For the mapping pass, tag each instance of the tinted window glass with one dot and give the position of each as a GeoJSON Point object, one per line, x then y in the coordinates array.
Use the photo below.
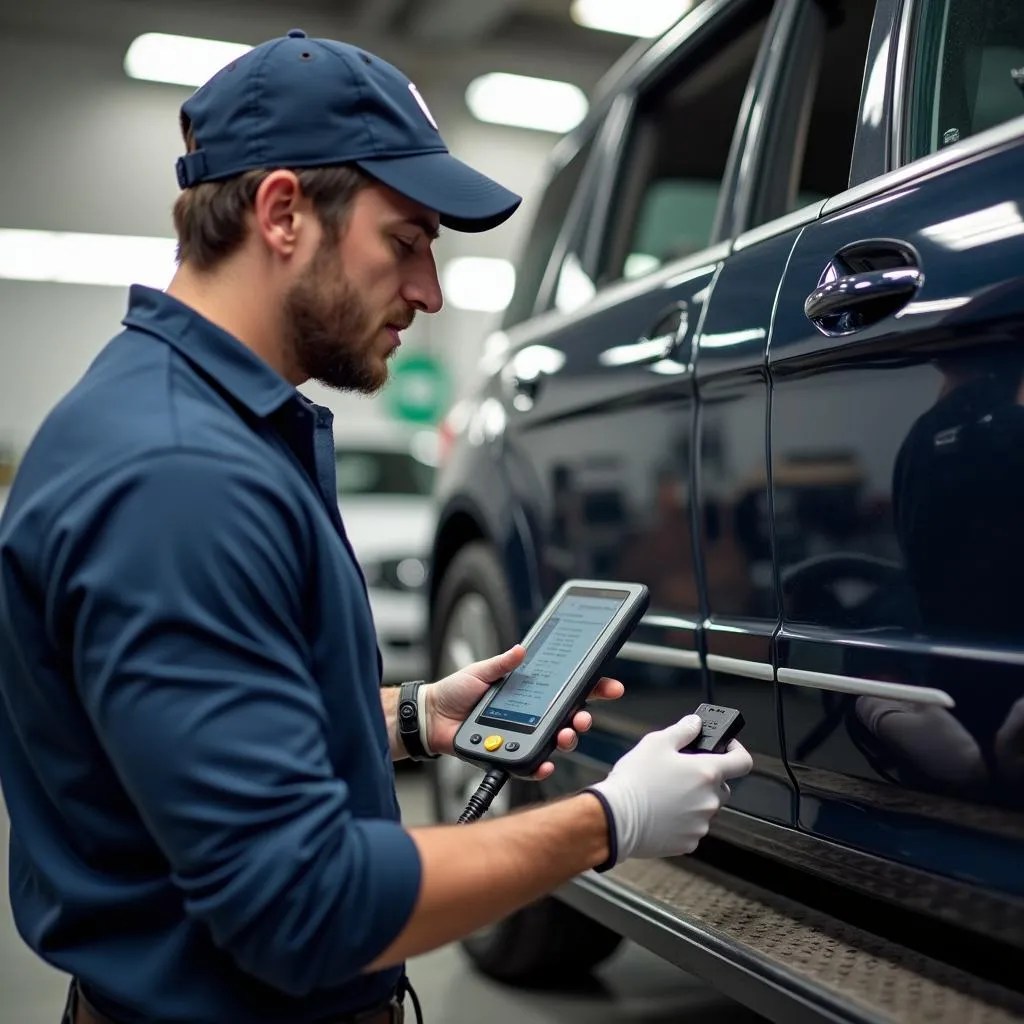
{"type": "Point", "coordinates": [968, 71]}
{"type": "Point", "coordinates": [382, 472]}
{"type": "Point", "coordinates": [543, 234]}
{"type": "Point", "coordinates": [836, 92]}
{"type": "Point", "coordinates": [812, 122]}
{"type": "Point", "coordinates": [668, 194]}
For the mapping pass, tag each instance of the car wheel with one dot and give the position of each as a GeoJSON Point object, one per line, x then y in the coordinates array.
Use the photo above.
{"type": "Point", "coordinates": [547, 943]}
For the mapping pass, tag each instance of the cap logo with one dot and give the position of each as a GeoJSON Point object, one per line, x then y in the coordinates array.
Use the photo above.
{"type": "Point", "coordinates": [423, 105]}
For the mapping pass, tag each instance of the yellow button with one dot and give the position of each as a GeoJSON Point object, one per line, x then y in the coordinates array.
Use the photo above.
{"type": "Point", "coordinates": [492, 743]}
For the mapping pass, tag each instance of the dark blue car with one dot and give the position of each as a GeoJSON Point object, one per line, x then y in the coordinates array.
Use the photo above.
{"type": "Point", "coordinates": [766, 355]}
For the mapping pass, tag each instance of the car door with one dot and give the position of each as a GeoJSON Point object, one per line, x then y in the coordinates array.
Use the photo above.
{"type": "Point", "coordinates": [734, 505]}
{"type": "Point", "coordinates": [896, 363]}
{"type": "Point", "coordinates": [600, 435]}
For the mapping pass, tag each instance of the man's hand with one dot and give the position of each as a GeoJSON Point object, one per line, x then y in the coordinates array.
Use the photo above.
{"type": "Point", "coordinates": [451, 699]}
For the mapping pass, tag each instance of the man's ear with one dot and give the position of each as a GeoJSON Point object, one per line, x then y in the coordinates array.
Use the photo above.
{"type": "Point", "coordinates": [280, 210]}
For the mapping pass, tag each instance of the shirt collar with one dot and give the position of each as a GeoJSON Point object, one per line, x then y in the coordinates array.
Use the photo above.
{"type": "Point", "coordinates": [222, 356]}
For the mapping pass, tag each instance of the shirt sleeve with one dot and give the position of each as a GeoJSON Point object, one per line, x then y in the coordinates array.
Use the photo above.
{"type": "Point", "coordinates": [185, 592]}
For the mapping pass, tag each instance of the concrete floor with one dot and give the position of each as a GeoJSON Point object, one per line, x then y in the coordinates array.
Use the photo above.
{"type": "Point", "coordinates": [634, 987]}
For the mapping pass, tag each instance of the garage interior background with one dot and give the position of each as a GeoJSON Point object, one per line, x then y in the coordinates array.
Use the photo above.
{"type": "Point", "coordinates": [88, 149]}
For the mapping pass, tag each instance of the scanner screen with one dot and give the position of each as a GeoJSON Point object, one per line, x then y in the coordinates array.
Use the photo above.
{"type": "Point", "coordinates": [554, 654]}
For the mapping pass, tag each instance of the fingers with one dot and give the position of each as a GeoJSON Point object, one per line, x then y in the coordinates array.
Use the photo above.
{"type": "Point", "coordinates": [685, 731]}
{"type": "Point", "coordinates": [607, 689]}
{"type": "Point", "coordinates": [735, 762]}
{"type": "Point", "coordinates": [490, 670]}
{"type": "Point", "coordinates": [583, 721]}
{"type": "Point", "coordinates": [568, 739]}
{"type": "Point", "coordinates": [543, 771]}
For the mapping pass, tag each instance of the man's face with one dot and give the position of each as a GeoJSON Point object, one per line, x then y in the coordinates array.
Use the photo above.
{"type": "Point", "coordinates": [344, 312]}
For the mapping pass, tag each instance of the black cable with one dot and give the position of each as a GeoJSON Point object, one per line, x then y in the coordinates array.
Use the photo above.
{"type": "Point", "coordinates": [416, 1004]}
{"type": "Point", "coordinates": [488, 789]}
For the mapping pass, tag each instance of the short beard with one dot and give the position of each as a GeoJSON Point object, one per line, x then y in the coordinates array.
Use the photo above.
{"type": "Point", "coordinates": [328, 329]}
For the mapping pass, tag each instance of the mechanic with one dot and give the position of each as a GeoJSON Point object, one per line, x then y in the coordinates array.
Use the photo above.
{"type": "Point", "coordinates": [195, 749]}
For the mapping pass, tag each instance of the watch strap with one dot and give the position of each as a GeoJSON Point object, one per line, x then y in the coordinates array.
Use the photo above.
{"type": "Point", "coordinates": [412, 721]}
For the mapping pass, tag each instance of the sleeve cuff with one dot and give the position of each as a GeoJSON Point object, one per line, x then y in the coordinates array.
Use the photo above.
{"type": "Point", "coordinates": [394, 881]}
{"type": "Point", "coordinates": [613, 844]}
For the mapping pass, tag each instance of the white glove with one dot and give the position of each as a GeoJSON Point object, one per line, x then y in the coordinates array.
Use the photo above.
{"type": "Point", "coordinates": [662, 800]}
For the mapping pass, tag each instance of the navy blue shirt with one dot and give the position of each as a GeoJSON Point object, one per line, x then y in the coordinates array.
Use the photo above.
{"type": "Point", "coordinates": [204, 825]}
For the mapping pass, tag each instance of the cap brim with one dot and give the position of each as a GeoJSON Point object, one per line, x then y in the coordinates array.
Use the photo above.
{"type": "Point", "coordinates": [465, 199]}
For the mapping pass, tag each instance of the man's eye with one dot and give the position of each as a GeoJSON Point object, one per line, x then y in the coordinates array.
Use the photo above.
{"type": "Point", "coordinates": [406, 245]}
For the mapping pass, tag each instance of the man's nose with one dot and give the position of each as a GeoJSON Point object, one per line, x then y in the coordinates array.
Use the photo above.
{"type": "Point", "coordinates": [422, 289]}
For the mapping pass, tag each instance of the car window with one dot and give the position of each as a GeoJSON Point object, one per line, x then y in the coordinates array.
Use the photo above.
{"type": "Point", "coordinates": [827, 146]}
{"type": "Point", "coordinates": [812, 122]}
{"type": "Point", "coordinates": [667, 196]}
{"type": "Point", "coordinates": [543, 234]}
{"type": "Point", "coordinates": [968, 71]}
{"type": "Point", "coordinates": [367, 471]}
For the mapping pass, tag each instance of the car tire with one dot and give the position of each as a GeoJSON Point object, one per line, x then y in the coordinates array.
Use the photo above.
{"type": "Point", "coordinates": [546, 944]}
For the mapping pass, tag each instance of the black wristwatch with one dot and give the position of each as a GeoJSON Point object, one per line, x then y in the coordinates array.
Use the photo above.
{"type": "Point", "coordinates": [412, 721]}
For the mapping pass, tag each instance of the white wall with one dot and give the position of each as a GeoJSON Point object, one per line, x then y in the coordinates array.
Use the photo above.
{"type": "Point", "coordinates": [87, 149]}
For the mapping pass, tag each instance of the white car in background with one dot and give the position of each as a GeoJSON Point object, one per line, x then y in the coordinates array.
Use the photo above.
{"type": "Point", "coordinates": [385, 475]}
{"type": "Point", "coordinates": [385, 478]}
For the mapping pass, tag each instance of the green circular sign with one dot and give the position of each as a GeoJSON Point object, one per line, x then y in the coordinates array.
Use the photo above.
{"type": "Point", "coordinates": [418, 389]}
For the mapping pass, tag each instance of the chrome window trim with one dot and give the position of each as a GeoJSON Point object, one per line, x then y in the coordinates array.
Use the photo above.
{"type": "Point", "coordinates": [780, 225]}
{"type": "Point", "coordinates": [900, 85]}
{"type": "Point", "coordinates": [960, 152]}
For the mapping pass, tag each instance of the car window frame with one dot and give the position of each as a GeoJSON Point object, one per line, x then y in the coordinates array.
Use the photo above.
{"type": "Point", "coordinates": [904, 71]}
{"type": "Point", "coordinates": [662, 64]}
{"type": "Point", "coordinates": [871, 148]}
{"type": "Point", "coordinates": [567, 149]}
{"type": "Point", "coordinates": [878, 161]}
{"type": "Point", "coordinates": [902, 171]}
{"type": "Point", "coordinates": [592, 194]}
{"type": "Point", "coordinates": [585, 237]}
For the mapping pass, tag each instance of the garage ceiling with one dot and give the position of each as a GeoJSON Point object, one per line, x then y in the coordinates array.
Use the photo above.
{"type": "Point", "coordinates": [428, 38]}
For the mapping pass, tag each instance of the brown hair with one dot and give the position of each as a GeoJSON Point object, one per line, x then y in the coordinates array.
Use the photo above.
{"type": "Point", "coordinates": [210, 218]}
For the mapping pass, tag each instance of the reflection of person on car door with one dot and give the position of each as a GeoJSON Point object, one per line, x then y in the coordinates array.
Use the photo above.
{"type": "Point", "coordinates": [958, 507]}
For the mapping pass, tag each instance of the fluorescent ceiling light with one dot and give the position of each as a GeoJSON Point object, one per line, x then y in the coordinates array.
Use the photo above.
{"type": "Point", "coordinates": [67, 258]}
{"type": "Point", "coordinates": [179, 60]}
{"type": "Point", "coordinates": [642, 18]}
{"type": "Point", "coordinates": [478, 283]}
{"type": "Point", "coordinates": [524, 102]}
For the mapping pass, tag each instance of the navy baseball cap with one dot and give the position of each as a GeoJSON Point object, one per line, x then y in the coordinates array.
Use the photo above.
{"type": "Point", "coordinates": [298, 102]}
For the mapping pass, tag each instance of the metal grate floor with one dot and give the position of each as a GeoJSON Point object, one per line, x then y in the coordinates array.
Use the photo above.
{"type": "Point", "coordinates": [887, 981]}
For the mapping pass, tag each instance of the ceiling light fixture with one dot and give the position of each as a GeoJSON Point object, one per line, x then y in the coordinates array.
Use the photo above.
{"type": "Point", "coordinates": [179, 60]}
{"type": "Point", "coordinates": [641, 18]}
{"type": "Point", "coordinates": [540, 104]}
{"type": "Point", "coordinates": [71, 258]}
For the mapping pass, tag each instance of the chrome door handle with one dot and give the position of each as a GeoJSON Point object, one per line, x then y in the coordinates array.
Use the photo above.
{"type": "Point", "coordinates": [670, 337]}
{"type": "Point", "coordinates": [858, 300]}
{"type": "Point", "coordinates": [863, 283]}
